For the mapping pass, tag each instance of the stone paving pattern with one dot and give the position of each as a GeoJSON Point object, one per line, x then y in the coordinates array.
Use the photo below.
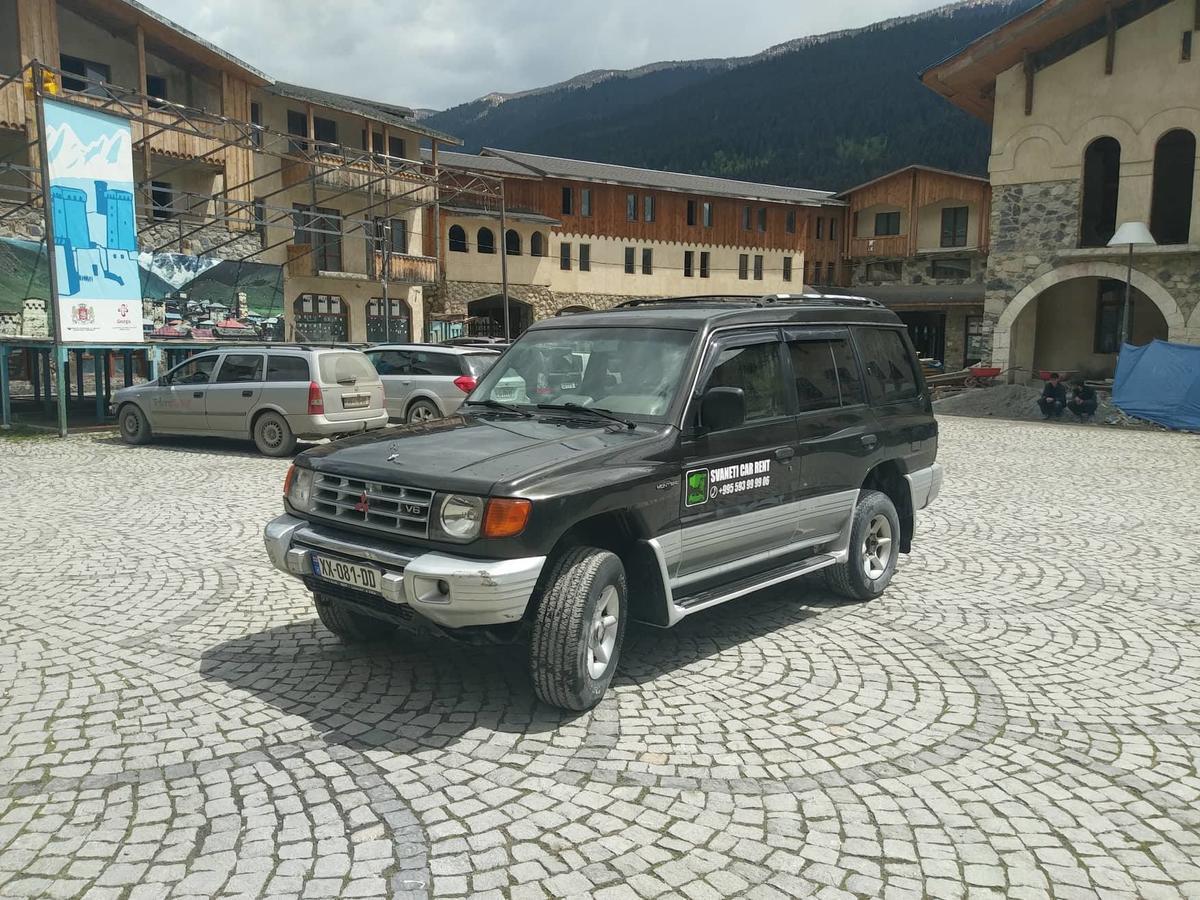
{"type": "Point", "coordinates": [1019, 716]}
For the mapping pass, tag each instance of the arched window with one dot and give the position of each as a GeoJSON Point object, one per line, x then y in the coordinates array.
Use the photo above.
{"type": "Point", "coordinates": [485, 241]}
{"type": "Point", "coordinates": [1174, 174]}
{"type": "Point", "coordinates": [512, 243]}
{"type": "Point", "coordinates": [537, 244]}
{"type": "Point", "coordinates": [1101, 186]}
{"type": "Point", "coordinates": [458, 239]}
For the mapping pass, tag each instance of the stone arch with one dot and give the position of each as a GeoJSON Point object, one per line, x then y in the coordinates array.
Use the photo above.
{"type": "Point", "coordinates": [1002, 349]}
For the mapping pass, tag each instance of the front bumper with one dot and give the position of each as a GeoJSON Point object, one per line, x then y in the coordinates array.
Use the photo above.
{"type": "Point", "coordinates": [479, 591]}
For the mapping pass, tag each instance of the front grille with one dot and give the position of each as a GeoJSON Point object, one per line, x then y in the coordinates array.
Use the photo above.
{"type": "Point", "coordinates": [387, 507]}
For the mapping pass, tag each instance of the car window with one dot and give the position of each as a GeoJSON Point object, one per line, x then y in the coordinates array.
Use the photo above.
{"type": "Point", "coordinates": [477, 363]}
{"type": "Point", "coordinates": [849, 380]}
{"type": "Point", "coordinates": [890, 373]}
{"type": "Point", "coordinates": [194, 371]}
{"type": "Point", "coordinates": [346, 367]}
{"type": "Point", "coordinates": [815, 372]}
{"type": "Point", "coordinates": [240, 368]}
{"type": "Point", "coordinates": [287, 368]}
{"type": "Point", "coordinates": [428, 363]}
{"type": "Point", "coordinates": [756, 370]}
{"type": "Point", "coordinates": [390, 362]}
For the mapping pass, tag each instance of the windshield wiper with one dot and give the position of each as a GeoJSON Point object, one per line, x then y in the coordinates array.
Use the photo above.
{"type": "Point", "coordinates": [601, 413]}
{"type": "Point", "coordinates": [504, 407]}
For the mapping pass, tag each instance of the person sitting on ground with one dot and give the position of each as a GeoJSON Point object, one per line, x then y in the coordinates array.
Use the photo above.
{"type": "Point", "coordinates": [1054, 398]}
{"type": "Point", "coordinates": [1083, 401]}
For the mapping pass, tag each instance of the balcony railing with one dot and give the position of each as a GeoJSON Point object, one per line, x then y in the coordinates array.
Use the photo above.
{"type": "Point", "coordinates": [408, 269]}
{"type": "Point", "coordinates": [892, 245]}
{"type": "Point", "coordinates": [344, 169]}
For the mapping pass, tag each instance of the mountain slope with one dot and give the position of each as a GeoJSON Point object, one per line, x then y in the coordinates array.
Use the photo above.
{"type": "Point", "coordinates": [828, 112]}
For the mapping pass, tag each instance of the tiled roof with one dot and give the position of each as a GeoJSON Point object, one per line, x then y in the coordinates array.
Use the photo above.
{"type": "Point", "coordinates": [388, 113]}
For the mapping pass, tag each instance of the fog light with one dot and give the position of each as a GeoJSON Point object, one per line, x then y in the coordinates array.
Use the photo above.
{"type": "Point", "coordinates": [443, 588]}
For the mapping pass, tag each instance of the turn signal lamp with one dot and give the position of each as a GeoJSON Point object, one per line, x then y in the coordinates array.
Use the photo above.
{"type": "Point", "coordinates": [505, 518]}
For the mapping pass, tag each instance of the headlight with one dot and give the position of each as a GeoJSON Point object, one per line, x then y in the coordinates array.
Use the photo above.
{"type": "Point", "coordinates": [461, 516]}
{"type": "Point", "coordinates": [300, 488]}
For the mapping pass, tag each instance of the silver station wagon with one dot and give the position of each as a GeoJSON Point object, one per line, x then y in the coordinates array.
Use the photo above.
{"type": "Point", "coordinates": [422, 382]}
{"type": "Point", "coordinates": [271, 395]}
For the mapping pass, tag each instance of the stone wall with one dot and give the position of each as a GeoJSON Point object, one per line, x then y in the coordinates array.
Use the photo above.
{"type": "Point", "coordinates": [214, 241]}
{"type": "Point", "coordinates": [27, 225]}
{"type": "Point", "coordinates": [452, 298]}
{"type": "Point", "coordinates": [918, 269]}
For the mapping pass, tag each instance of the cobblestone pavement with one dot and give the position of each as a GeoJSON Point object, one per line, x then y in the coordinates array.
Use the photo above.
{"type": "Point", "coordinates": [1018, 717]}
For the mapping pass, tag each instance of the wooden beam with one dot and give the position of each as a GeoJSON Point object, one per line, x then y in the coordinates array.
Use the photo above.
{"type": "Point", "coordinates": [912, 214]}
{"type": "Point", "coordinates": [1029, 72]}
{"type": "Point", "coordinates": [1110, 50]}
{"type": "Point", "coordinates": [148, 194]}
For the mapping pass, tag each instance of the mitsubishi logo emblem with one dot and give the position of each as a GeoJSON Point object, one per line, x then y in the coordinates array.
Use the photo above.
{"type": "Point", "coordinates": [363, 505]}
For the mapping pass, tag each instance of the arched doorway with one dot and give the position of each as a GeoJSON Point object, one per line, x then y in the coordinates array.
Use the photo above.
{"type": "Point", "coordinates": [395, 329]}
{"type": "Point", "coordinates": [320, 317]}
{"type": "Point", "coordinates": [1070, 320]}
{"type": "Point", "coordinates": [485, 316]}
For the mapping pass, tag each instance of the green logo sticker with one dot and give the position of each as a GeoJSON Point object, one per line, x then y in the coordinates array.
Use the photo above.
{"type": "Point", "coordinates": [697, 487]}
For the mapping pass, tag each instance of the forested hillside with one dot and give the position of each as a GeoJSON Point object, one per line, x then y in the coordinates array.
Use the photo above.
{"type": "Point", "coordinates": [827, 112]}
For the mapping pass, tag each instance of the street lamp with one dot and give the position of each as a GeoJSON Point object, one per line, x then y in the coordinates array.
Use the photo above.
{"type": "Point", "coordinates": [1133, 234]}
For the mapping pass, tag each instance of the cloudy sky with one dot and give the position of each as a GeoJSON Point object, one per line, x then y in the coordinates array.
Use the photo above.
{"type": "Point", "coordinates": [437, 53]}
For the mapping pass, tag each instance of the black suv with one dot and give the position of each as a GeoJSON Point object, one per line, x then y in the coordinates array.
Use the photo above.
{"type": "Point", "coordinates": [708, 448]}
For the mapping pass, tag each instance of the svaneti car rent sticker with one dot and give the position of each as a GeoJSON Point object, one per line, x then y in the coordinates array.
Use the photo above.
{"type": "Point", "coordinates": [726, 481]}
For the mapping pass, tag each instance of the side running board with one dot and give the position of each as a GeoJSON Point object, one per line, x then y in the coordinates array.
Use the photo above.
{"type": "Point", "coordinates": [691, 603]}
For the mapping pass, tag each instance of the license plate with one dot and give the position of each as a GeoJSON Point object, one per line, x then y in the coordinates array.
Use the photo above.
{"type": "Point", "coordinates": [356, 401]}
{"type": "Point", "coordinates": [358, 577]}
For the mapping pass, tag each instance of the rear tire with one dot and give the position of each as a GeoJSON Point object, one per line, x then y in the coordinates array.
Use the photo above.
{"type": "Point", "coordinates": [874, 549]}
{"type": "Point", "coordinates": [135, 427]}
{"type": "Point", "coordinates": [578, 628]}
{"type": "Point", "coordinates": [352, 627]}
{"type": "Point", "coordinates": [273, 436]}
{"type": "Point", "coordinates": [422, 411]}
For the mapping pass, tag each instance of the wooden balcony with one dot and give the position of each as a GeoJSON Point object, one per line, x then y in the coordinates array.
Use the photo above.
{"type": "Point", "coordinates": [165, 140]}
{"type": "Point", "coordinates": [361, 173]}
{"type": "Point", "coordinates": [408, 269]}
{"type": "Point", "coordinates": [893, 245]}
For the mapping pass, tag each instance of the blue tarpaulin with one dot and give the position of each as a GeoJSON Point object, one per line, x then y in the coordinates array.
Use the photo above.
{"type": "Point", "coordinates": [1160, 382]}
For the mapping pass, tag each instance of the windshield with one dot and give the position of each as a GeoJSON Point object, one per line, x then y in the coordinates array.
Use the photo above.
{"type": "Point", "coordinates": [346, 367]}
{"type": "Point", "coordinates": [632, 371]}
{"type": "Point", "coordinates": [478, 363]}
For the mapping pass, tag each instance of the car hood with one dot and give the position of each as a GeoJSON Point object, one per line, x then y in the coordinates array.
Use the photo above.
{"type": "Point", "coordinates": [480, 452]}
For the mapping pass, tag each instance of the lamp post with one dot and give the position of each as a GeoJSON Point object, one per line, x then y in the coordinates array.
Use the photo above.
{"type": "Point", "coordinates": [1131, 234]}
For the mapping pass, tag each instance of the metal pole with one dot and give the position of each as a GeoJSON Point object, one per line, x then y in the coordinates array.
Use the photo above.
{"type": "Point", "coordinates": [504, 265]}
{"type": "Point", "coordinates": [1128, 298]}
{"type": "Point", "coordinates": [387, 265]}
{"type": "Point", "coordinates": [48, 211]}
{"type": "Point", "coordinates": [5, 388]}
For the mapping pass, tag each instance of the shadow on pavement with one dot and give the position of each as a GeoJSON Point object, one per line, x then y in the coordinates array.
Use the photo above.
{"type": "Point", "coordinates": [413, 691]}
{"type": "Point", "coordinates": [198, 444]}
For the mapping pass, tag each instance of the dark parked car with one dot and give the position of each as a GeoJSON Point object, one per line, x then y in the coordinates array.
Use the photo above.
{"type": "Point", "coordinates": [709, 447]}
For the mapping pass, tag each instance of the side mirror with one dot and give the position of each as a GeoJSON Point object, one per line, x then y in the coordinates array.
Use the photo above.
{"type": "Point", "coordinates": [722, 408]}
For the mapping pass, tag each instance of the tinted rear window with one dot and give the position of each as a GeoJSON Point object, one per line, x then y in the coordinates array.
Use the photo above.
{"type": "Point", "coordinates": [346, 367]}
{"type": "Point", "coordinates": [478, 363]}
{"type": "Point", "coordinates": [287, 368]}
{"type": "Point", "coordinates": [889, 367]}
{"type": "Point", "coordinates": [431, 363]}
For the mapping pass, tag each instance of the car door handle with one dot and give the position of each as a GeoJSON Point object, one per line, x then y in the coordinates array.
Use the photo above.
{"type": "Point", "coordinates": [247, 393]}
{"type": "Point", "coordinates": [784, 454]}
{"type": "Point", "coordinates": [197, 393]}
{"type": "Point", "coordinates": [870, 441]}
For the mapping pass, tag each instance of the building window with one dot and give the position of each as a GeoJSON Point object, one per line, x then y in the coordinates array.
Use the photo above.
{"type": "Point", "coordinates": [954, 226]}
{"type": "Point", "coordinates": [648, 207]}
{"type": "Point", "coordinates": [156, 89]}
{"type": "Point", "coordinates": [631, 207]}
{"type": "Point", "coordinates": [585, 257]}
{"type": "Point", "coordinates": [92, 75]}
{"type": "Point", "coordinates": [260, 221]}
{"type": "Point", "coordinates": [975, 342]}
{"type": "Point", "coordinates": [789, 222]}
{"type": "Point", "coordinates": [787, 268]}
{"type": "Point", "coordinates": [1174, 174]}
{"type": "Point", "coordinates": [257, 122]}
{"type": "Point", "coordinates": [647, 261]}
{"type": "Point", "coordinates": [743, 266]}
{"type": "Point", "coordinates": [630, 260]}
{"type": "Point", "coordinates": [704, 267]}
{"type": "Point", "coordinates": [762, 218]}
{"type": "Point", "coordinates": [568, 201]}
{"type": "Point", "coordinates": [1185, 54]}
{"type": "Point", "coordinates": [372, 141]}
{"type": "Point", "coordinates": [585, 201]}
{"type": "Point", "coordinates": [1101, 187]}
{"type": "Point", "coordinates": [708, 215]}
{"type": "Point", "coordinates": [391, 234]}
{"type": "Point", "coordinates": [485, 241]}
{"type": "Point", "coordinates": [950, 268]}
{"type": "Point", "coordinates": [326, 133]}
{"type": "Point", "coordinates": [887, 224]}
{"type": "Point", "coordinates": [537, 244]}
{"type": "Point", "coordinates": [884, 271]}
{"type": "Point", "coordinates": [820, 228]}
{"type": "Point", "coordinates": [564, 257]}
{"type": "Point", "coordinates": [833, 229]}
{"type": "Point", "coordinates": [396, 147]}
{"type": "Point", "coordinates": [746, 218]}
{"type": "Point", "coordinates": [297, 125]}
{"type": "Point", "coordinates": [758, 267]}
{"type": "Point", "coordinates": [1110, 304]}
{"type": "Point", "coordinates": [458, 239]}
{"type": "Point", "coordinates": [691, 212]}
{"type": "Point", "coordinates": [512, 242]}
{"type": "Point", "coordinates": [321, 229]}
{"type": "Point", "coordinates": [689, 263]}
{"type": "Point", "coordinates": [161, 200]}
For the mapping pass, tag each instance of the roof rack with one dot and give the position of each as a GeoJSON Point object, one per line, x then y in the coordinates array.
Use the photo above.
{"type": "Point", "coordinates": [756, 300]}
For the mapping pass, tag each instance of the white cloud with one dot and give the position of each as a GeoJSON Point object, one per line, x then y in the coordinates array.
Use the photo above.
{"type": "Point", "coordinates": [439, 53]}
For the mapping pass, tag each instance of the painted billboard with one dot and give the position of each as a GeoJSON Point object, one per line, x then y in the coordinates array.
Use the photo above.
{"type": "Point", "coordinates": [90, 156]}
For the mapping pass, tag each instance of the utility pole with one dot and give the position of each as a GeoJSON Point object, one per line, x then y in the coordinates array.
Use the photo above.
{"type": "Point", "coordinates": [504, 265]}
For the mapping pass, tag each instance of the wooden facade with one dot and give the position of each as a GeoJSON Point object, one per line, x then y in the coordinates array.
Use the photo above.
{"type": "Point", "coordinates": [407, 269]}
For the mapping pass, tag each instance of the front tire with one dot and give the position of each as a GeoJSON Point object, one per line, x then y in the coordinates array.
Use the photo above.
{"type": "Point", "coordinates": [352, 627]}
{"type": "Point", "coordinates": [423, 411]}
{"type": "Point", "coordinates": [874, 549]}
{"type": "Point", "coordinates": [273, 436]}
{"type": "Point", "coordinates": [135, 427]}
{"type": "Point", "coordinates": [578, 628]}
